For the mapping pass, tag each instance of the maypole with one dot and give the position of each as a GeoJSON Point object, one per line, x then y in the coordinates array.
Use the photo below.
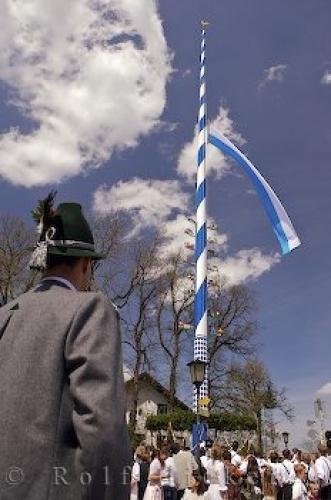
{"type": "Point", "coordinates": [275, 211]}
{"type": "Point", "coordinates": [201, 323]}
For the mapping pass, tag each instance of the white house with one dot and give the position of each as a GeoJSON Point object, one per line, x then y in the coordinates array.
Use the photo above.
{"type": "Point", "coordinates": [153, 399]}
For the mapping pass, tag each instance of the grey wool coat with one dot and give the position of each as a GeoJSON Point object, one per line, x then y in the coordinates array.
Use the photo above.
{"type": "Point", "coordinates": [62, 401]}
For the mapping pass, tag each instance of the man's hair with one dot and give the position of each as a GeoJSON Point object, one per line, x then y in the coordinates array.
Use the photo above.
{"type": "Point", "coordinates": [165, 450]}
{"type": "Point", "coordinates": [59, 260]}
{"type": "Point", "coordinates": [287, 454]}
{"type": "Point", "coordinates": [322, 449]}
{"type": "Point", "coordinates": [273, 457]}
{"type": "Point", "coordinates": [209, 443]}
{"type": "Point", "coordinates": [227, 455]}
{"type": "Point", "coordinates": [142, 453]}
{"type": "Point", "coordinates": [235, 445]}
{"type": "Point", "coordinates": [306, 457]}
{"type": "Point", "coordinates": [175, 448]}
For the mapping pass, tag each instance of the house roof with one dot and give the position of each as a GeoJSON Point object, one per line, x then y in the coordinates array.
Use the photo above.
{"type": "Point", "coordinates": [147, 378]}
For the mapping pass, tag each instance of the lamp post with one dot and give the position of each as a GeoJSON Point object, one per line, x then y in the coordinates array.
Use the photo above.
{"type": "Point", "coordinates": [197, 371]}
{"type": "Point", "coordinates": [285, 438]}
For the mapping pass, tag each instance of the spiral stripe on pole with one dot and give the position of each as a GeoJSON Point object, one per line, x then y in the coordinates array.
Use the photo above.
{"type": "Point", "coordinates": [200, 342]}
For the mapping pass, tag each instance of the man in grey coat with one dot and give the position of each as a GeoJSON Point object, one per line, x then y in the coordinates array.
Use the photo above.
{"type": "Point", "coordinates": [62, 411]}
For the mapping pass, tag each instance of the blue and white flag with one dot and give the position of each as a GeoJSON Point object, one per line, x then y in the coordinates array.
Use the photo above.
{"type": "Point", "coordinates": [279, 219]}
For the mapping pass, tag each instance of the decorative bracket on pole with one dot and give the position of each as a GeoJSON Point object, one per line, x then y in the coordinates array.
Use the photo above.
{"type": "Point", "coordinates": [204, 24]}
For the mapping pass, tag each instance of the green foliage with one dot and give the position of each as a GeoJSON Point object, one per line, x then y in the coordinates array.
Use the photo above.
{"type": "Point", "coordinates": [183, 421]}
{"type": "Point", "coordinates": [232, 422]}
{"type": "Point", "coordinates": [180, 420]}
{"type": "Point", "coordinates": [135, 438]}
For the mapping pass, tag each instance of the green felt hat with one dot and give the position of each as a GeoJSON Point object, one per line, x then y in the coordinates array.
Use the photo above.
{"type": "Point", "coordinates": [63, 231]}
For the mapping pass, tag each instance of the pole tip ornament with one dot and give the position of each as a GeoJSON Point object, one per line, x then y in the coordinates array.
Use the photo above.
{"type": "Point", "coordinates": [204, 24]}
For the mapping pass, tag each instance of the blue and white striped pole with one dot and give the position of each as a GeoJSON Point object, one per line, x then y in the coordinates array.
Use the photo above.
{"type": "Point", "coordinates": [201, 330]}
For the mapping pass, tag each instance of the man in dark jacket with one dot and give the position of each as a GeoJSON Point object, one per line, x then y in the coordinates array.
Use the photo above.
{"type": "Point", "coordinates": [62, 414]}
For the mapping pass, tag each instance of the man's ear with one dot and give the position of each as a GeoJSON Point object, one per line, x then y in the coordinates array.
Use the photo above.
{"type": "Point", "coordinates": [85, 264]}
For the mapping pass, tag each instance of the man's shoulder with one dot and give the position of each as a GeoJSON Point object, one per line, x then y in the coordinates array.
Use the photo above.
{"type": "Point", "coordinates": [59, 298]}
{"type": "Point", "coordinates": [94, 305]}
{"type": "Point", "coordinates": [96, 298]}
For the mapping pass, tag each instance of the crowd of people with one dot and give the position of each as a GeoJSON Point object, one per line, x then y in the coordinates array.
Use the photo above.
{"type": "Point", "coordinates": [218, 472]}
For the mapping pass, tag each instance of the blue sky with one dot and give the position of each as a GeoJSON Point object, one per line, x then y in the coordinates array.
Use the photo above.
{"type": "Point", "coordinates": [92, 122]}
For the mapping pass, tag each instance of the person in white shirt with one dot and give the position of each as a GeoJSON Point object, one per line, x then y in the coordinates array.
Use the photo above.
{"type": "Point", "coordinates": [299, 490]}
{"type": "Point", "coordinates": [135, 478]}
{"type": "Point", "coordinates": [289, 466]}
{"type": "Point", "coordinates": [139, 474]}
{"type": "Point", "coordinates": [260, 460]}
{"type": "Point", "coordinates": [216, 475]}
{"type": "Point", "coordinates": [204, 456]}
{"type": "Point", "coordinates": [296, 456]}
{"type": "Point", "coordinates": [281, 477]}
{"type": "Point", "coordinates": [235, 457]}
{"type": "Point", "coordinates": [309, 463]}
{"type": "Point", "coordinates": [243, 466]}
{"type": "Point", "coordinates": [323, 472]}
{"type": "Point", "coordinates": [156, 473]}
{"type": "Point", "coordinates": [169, 479]}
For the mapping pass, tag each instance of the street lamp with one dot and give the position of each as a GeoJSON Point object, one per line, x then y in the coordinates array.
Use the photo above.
{"type": "Point", "coordinates": [197, 371]}
{"type": "Point", "coordinates": [285, 438]}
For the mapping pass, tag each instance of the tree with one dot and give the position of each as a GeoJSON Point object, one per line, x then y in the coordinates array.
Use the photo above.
{"type": "Point", "coordinates": [144, 287]}
{"type": "Point", "coordinates": [16, 242]}
{"type": "Point", "coordinates": [174, 317]}
{"type": "Point", "coordinates": [248, 388]}
{"type": "Point", "coordinates": [130, 277]}
{"type": "Point", "coordinates": [232, 326]}
{"type": "Point", "coordinates": [153, 287]}
{"type": "Point", "coordinates": [109, 233]}
{"type": "Point", "coordinates": [230, 315]}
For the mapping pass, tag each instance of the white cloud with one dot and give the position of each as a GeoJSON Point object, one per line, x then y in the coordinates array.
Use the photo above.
{"type": "Point", "coordinates": [149, 202]}
{"type": "Point", "coordinates": [247, 265]}
{"type": "Point", "coordinates": [274, 73]}
{"type": "Point", "coordinates": [164, 206]}
{"type": "Point", "coordinates": [90, 76]}
{"type": "Point", "coordinates": [325, 390]}
{"type": "Point", "coordinates": [217, 162]}
{"type": "Point", "coordinates": [326, 78]}
{"type": "Point", "coordinates": [161, 205]}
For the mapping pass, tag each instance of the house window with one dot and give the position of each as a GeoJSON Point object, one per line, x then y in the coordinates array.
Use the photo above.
{"type": "Point", "coordinates": [162, 409]}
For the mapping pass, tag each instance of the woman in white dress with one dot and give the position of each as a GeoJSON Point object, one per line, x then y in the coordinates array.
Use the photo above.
{"type": "Point", "coordinates": [299, 491]}
{"type": "Point", "coordinates": [156, 472]}
{"type": "Point", "coordinates": [216, 475]}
